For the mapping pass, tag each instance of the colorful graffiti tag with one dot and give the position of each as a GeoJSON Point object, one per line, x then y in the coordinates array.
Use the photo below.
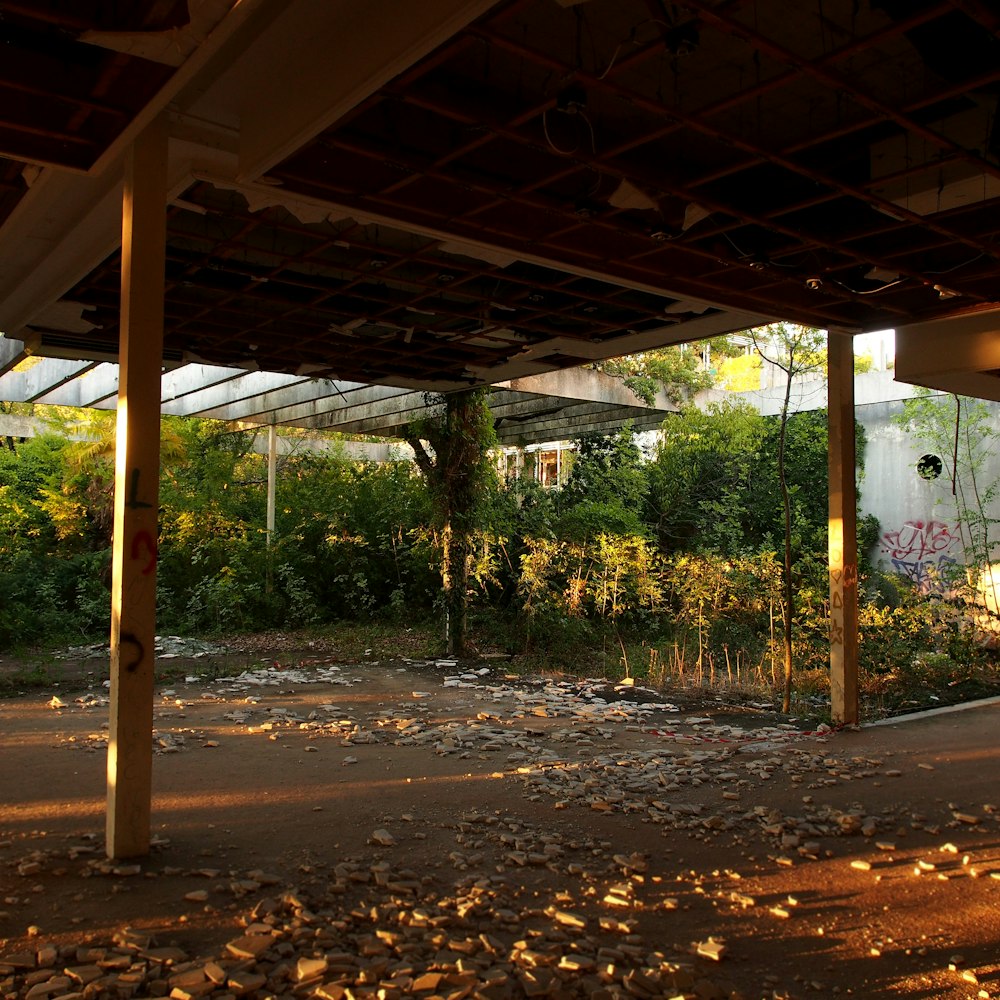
{"type": "Point", "coordinates": [919, 550]}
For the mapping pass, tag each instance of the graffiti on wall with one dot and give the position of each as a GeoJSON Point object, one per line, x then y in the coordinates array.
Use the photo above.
{"type": "Point", "coordinates": [922, 552]}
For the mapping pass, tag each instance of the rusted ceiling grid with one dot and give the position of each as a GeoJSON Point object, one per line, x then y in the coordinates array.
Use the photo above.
{"type": "Point", "coordinates": [237, 279]}
{"type": "Point", "coordinates": [374, 134]}
{"type": "Point", "coordinates": [86, 95]}
{"type": "Point", "coordinates": [761, 156]}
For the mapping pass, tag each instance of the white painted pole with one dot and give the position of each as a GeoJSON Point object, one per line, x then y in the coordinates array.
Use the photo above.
{"type": "Point", "coordinates": [272, 478]}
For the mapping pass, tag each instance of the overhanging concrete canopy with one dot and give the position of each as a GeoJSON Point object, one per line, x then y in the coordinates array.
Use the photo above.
{"type": "Point", "coordinates": [960, 355]}
{"type": "Point", "coordinates": [556, 406]}
{"type": "Point", "coordinates": [431, 210]}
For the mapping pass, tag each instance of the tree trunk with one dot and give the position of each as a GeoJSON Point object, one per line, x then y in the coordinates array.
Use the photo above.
{"type": "Point", "coordinates": [460, 441]}
{"type": "Point", "coordinates": [455, 545]}
{"type": "Point", "coordinates": [786, 699]}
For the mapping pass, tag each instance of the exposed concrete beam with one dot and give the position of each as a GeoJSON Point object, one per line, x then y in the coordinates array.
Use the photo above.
{"type": "Point", "coordinates": [313, 404]}
{"type": "Point", "coordinates": [323, 57]}
{"type": "Point", "coordinates": [573, 425]}
{"type": "Point", "coordinates": [361, 451]}
{"type": "Point", "coordinates": [232, 392]}
{"type": "Point", "coordinates": [212, 28]}
{"type": "Point", "coordinates": [99, 386]}
{"type": "Point", "coordinates": [29, 386]}
{"type": "Point", "coordinates": [12, 353]}
{"type": "Point", "coordinates": [63, 227]}
{"type": "Point", "coordinates": [15, 426]}
{"type": "Point", "coordinates": [589, 384]}
{"type": "Point", "coordinates": [960, 354]}
{"type": "Point", "coordinates": [192, 378]}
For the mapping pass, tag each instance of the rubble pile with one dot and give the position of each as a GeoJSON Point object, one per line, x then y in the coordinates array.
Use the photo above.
{"type": "Point", "coordinates": [371, 927]}
{"type": "Point", "coordinates": [167, 647]}
{"type": "Point", "coordinates": [482, 919]}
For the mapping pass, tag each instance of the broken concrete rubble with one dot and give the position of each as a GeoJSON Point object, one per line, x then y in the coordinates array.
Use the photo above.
{"type": "Point", "coordinates": [376, 923]}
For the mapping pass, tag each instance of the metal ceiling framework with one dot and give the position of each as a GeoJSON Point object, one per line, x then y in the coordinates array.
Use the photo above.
{"type": "Point", "coordinates": [473, 191]}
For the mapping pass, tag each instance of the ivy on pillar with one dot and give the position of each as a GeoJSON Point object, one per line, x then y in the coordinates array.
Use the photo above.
{"type": "Point", "coordinates": [843, 538]}
{"type": "Point", "coordinates": [137, 471]}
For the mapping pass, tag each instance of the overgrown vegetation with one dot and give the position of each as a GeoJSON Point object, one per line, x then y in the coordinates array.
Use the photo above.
{"type": "Point", "coordinates": [668, 568]}
{"type": "Point", "coordinates": [459, 473]}
{"type": "Point", "coordinates": [795, 350]}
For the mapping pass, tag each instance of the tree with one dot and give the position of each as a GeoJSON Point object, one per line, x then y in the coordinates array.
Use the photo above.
{"type": "Point", "coordinates": [702, 476]}
{"type": "Point", "coordinates": [606, 489]}
{"type": "Point", "coordinates": [795, 350]}
{"type": "Point", "coordinates": [740, 373]}
{"type": "Point", "coordinates": [679, 371]}
{"type": "Point", "coordinates": [457, 470]}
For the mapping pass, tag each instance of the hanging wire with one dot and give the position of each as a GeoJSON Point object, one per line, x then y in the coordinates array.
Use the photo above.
{"type": "Point", "coordinates": [569, 152]}
{"type": "Point", "coordinates": [631, 40]}
{"type": "Point", "coordinates": [965, 263]}
{"type": "Point", "coordinates": [548, 138]}
{"type": "Point", "coordinates": [870, 291]}
{"type": "Point", "coordinates": [770, 263]}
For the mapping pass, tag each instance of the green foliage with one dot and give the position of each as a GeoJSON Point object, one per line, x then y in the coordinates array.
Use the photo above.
{"type": "Point", "coordinates": [459, 473]}
{"type": "Point", "coordinates": [795, 349]}
{"type": "Point", "coordinates": [665, 567]}
{"type": "Point", "coordinates": [676, 371]}
{"type": "Point", "coordinates": [351, 540]}
{"type": "Point", "coordinates": [863, 363]}
{"type": "Point", "coordinates": [741, 373]}
{"type": "Point", "coordinates": [606, 489]}
{"type": "Point", "coordinates": [575, 593]}
{"type": "Point", "coordinates": [702, 475]}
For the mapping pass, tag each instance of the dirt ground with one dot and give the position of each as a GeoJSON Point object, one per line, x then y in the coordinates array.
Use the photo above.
{"type": "Point", "coordinates": [521, 837]}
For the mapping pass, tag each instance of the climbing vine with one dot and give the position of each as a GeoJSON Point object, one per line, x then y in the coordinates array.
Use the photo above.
{"type": "Point", "coordinates": [452, 452]}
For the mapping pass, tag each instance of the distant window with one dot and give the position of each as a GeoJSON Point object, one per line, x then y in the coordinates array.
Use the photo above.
{"type": "Point", "coordinates": [929, 467]}
{"type": "Point", "coordinates": [548, 468]}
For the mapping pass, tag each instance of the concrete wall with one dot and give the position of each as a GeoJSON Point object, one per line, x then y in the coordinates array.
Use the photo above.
{"type": "Point", "coordinates": [919, 533]}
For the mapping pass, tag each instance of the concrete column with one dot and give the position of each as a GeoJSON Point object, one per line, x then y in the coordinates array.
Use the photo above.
{"type": "Point", "coordinates": [272, 477]}
{"type": "Point", "coordinates": [843, 539]}
{"type": "Point", "coordinates": [137, 471]}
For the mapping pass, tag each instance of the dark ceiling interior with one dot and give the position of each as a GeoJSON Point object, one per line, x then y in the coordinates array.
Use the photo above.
{"type": "Point", "coordinates": [630, 166]}
{"type": "Point", "coordinates": [381, 301]}
{"type": "Point", "coordinates": [817, 142]}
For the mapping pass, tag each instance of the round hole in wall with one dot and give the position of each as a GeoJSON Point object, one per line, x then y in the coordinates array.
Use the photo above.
{"type": "Point", "coordinates": [929, 467]}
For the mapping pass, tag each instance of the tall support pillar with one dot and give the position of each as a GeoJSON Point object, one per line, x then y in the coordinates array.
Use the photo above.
{"type": "Point", "coordinates": [137, 471]}
{"type": "Point", "coordinates": [843, 537]}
